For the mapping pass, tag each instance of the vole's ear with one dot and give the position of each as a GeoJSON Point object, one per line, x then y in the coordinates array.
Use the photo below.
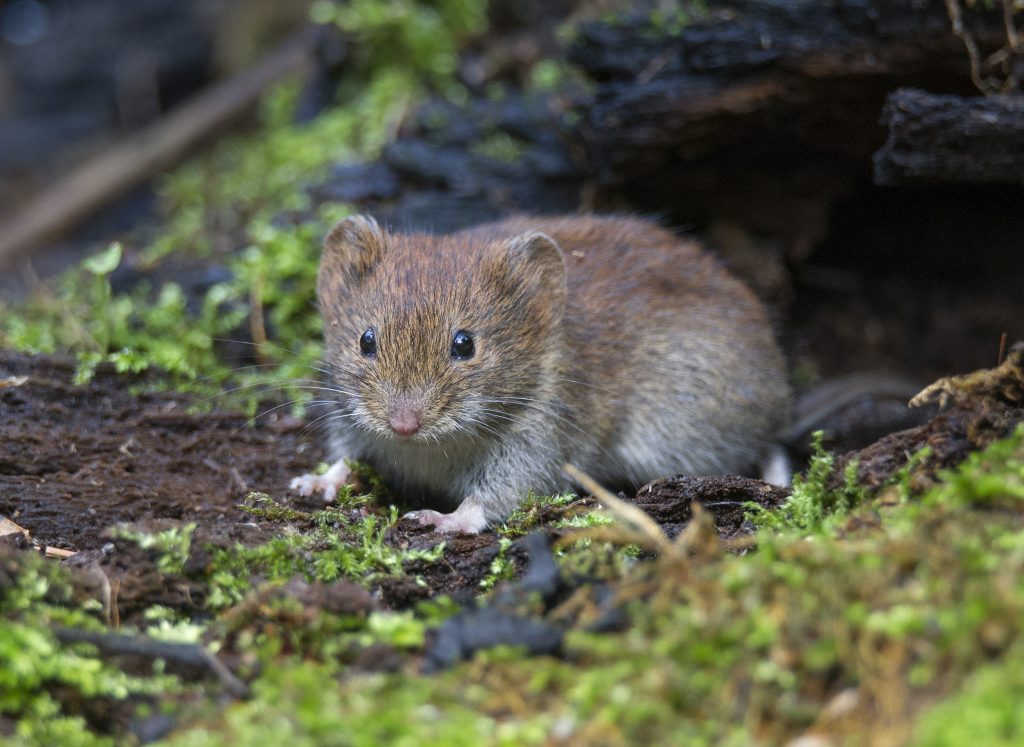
{"type": "Point", "coordinates": [353, 247]}
{"type": "Point", "coordinates": [536, 258]}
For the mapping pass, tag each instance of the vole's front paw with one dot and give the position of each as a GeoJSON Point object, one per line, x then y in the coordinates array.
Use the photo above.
{"type": "Point", "coordinates": [327, 483]}
{"type": "Point", "coordinates": [468, 520]}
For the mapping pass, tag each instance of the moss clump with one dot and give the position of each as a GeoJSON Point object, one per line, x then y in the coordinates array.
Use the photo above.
{"type": "Point", "coordinates": [985, 711]}
{"type": "Point", "coordinates": [170, 545]}
{"type": "Point", "coordinates": [410, 38]}
{"type": "Point", "coordinates": [535, 511]}
{"type": "Point", "coordinates": [991, 479]}
{"type": "Point", "coordinates": [840, 633]}
{"type": "Point", "coordinates": [343, 541]}
{"type": "Point", "coordinates": [305, 704]}
{"type": "Point", "coordinates": [40, 677]}
{"type": "Point", "coordinates": [813, 505]}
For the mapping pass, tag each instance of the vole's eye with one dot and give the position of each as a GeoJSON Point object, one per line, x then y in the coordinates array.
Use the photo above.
{"type": "Point", "coordinates": [368, 343]}
{"type": "Point", "coordinates": [462, 346]}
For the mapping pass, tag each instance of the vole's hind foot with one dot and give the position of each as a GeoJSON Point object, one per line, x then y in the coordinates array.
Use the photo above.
{"type": "Point", "coordinates": [328, 483]}
{"type": "Point", "coordinates": [468, 518]}
{"type": "Point", "coordinates": [777, 469]}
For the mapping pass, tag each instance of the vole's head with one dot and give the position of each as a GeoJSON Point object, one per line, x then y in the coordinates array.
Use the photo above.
{"type": "Point", "coordinates": [431, 337]}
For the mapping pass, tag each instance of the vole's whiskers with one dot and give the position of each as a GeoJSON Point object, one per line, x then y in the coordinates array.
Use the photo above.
{"type": "Point", "coordinates": [481, 425]}
{"type": "Point", "coordinates": [328, 418]}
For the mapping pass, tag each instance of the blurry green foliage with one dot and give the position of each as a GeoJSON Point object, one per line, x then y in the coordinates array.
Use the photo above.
{"type": "Point", "coordinates": [228, 204]}
{"type": "Point", "coordinates": [37, 672]}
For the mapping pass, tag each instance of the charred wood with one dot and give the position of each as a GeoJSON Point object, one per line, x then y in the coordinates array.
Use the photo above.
{"type": "Point", "coordinates": [757, 105]}
{"type": "Point", "coordinates": [942, 138]}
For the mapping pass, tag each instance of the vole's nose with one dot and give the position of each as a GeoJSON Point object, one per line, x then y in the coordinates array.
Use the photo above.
{"type": "Point", "coordinates": [404, 422]}
{"type": "Point", "coordinates": [405, 416]}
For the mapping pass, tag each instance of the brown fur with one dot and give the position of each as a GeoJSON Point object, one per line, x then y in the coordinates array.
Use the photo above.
{"type": "Point", "coordinates": [605, 341]}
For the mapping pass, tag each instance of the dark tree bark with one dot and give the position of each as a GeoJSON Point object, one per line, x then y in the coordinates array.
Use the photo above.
{"type": "Point", "coordinates": [941, 138]}
{"type": "Point", "coordinates": [764, 108]}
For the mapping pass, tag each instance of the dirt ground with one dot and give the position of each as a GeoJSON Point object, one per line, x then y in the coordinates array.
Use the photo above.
{"type": "Point", "coordinates": [76, 460]}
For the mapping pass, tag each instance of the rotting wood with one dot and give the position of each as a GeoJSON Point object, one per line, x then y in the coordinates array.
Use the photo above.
{"type": "Point", "coordinates": [940, 138]}
{"type": "Point", "coordinates": [797, 67]}
{"type": "Point", "coordinates": [761, 112]}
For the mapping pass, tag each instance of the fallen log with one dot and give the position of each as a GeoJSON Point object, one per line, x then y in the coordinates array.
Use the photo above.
{"type": "Point", "coordinates": [760, 110]}
{"type": "Point", "coordinates": [695, 87]}
{"type": "Point", "coordinates": [942, 138]}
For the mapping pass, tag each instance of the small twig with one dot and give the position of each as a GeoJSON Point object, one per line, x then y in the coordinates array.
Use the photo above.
{"type": "Point", "coordinates": [1012, 35]}
{"type": "Point", "coordinates": [115, 611]}
{"type": "Point", "coordinates": [654, 67]}
{"type": "Point", "coordinates": [58, 552]}
{"type": "Point", "coordinates": [9, 527]}
{"type": "Point", "coordinates": [82, 190]}
{"type": "Point", "coordinates": [1002, 350]}
{"type": "Point", "coordinates": [1013, 45]}
{"type": "Point", "coordinates": [238, 481]}
{"type": "Point", "coordinates": [957, 19]}
{"type": "Point", "coordinates": [740, 544]}
{"type": "Point", "coordinates": [182, 657]}
{"type": "Point", "coordinates": [257, 328]}
{"type": "Point", "coordinates": [716, 504]}
{"type": "Point", "coordinates": [635, 518]}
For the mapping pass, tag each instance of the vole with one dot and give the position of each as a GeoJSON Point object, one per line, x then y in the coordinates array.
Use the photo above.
{"type": "Point", "coordinates": [470, 367]}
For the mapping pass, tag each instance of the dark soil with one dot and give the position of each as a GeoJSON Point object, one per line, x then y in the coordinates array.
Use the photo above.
{"type": "Point", "coordinates": [75, 460]}
{"type": "Point", "coordinates": [78, 460]}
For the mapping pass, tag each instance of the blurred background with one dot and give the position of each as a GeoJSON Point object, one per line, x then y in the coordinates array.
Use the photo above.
{"type": "Point", "coordinates": [216, 141]}
{"type": "Point", "coordinates": [78, 76]}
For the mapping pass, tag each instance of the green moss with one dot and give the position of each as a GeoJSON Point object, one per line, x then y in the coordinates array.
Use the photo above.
{"type": "Point", "coordinates": [38, 675]}
{"type": "Point", "coordinates": [341, 541]}
{"type": "Point", "coordinates": [813, 505]}
{"type": "Point", "coordinates": [304, 704]}
{"type": "Point", "coordinates": [501, 567]}
{"type": "Point", "coordinates": [262, 506]}
{"type": "Point", "coordinates": [232, 197]}
{"type": "Point", "coordinates": [724, 649]}
{"type": "Point", "coordinates": [500, 146]}
{"type": "Point", "coordinates": [533, 512]}
{"type": "Point", "coordinates": [551, 75]}
{"type": "Point", "coordinates": [986, 711]}
{"type": "Point", "coordinates": [730, 650]}
{"type": "Point", "coordinates": [670, 17]}
{"type": "Point", "coordinates": [993, 478]}
{"type": "Point", "coordinates": [170, 545]}
{"type": "Point", "coordinates": [415, 37]}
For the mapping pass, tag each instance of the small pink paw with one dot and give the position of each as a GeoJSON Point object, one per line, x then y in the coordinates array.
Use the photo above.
{"type": "Point", "coordinates": [467, 522]}
{"type": "Point", "coordinates": [327, 483]}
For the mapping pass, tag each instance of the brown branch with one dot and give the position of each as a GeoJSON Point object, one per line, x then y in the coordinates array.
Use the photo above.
{"type": "Point", "coordinates": [185, 659]}
{"type": "Point", "coordinates": [61, 206]}
{"type": "Point", "coordinates": [973, 54]}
